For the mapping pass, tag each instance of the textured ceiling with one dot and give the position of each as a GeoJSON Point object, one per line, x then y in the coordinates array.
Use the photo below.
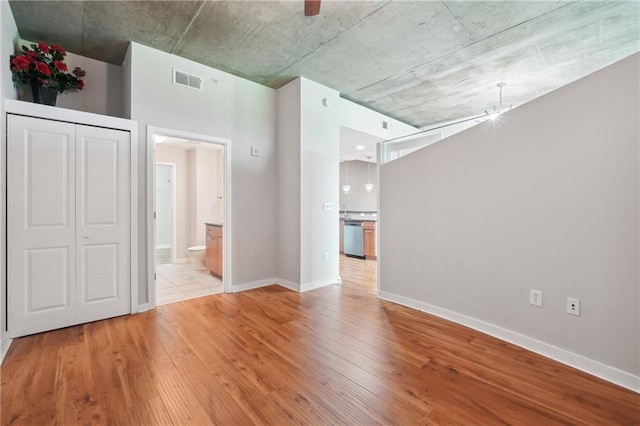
{"type": "Point", "coordinates": [422, 62]}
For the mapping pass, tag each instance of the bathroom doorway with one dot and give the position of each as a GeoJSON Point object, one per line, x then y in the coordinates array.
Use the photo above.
{"type": "Point", "coordinates": [189, 235]}
{"type": "Point", "coordinates": [165, 213]}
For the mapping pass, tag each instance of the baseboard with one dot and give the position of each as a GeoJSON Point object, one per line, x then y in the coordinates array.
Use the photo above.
{"type": "Point", "coordinates": [143, 308]}
{"type": "Point", "coordinates": [288, 284]}
{"type": "Point", "coordinates": [300, 288]}
{"type": "Point", "coordinates": [254, 284]}
{"type": "Point", "coordinates": [4, 348]}
{"type": "Point", "coordinates": [319, 284]}
{"type": "Point", "coordinates": [598, 369]}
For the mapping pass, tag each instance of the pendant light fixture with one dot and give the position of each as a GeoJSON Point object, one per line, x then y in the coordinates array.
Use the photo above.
{"type": "Point", "coordinates": [368, 186]}
{"type": "Point", "coordinates": [346, 187]}
{"type": "Point", "coordinates": [492, 115]}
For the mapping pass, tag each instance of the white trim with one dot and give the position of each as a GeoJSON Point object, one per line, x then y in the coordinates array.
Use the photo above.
{"type": "Point", "coordinates": [4, 348]}
{"type": "Point", "coordinates": [254, 284]}
{"type": "Point", "coordinates": [319, 284]}
{"type": "Point", "coordinates": [68, 115]}
{"type": "Point", "coordinates": [227, 252]}
{"type": "Point", "coordinates": [144, 307]}
{"type": "Point", "coordinates": [580, 362]}
{"type": "Point", "coordinates": [288, 284]}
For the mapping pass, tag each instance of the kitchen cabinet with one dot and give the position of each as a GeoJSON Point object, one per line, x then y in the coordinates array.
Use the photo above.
{"type": "Point", "coordinates": [213, 251]}
{"type": "Point", "coordinates": [369, 239]}
{"type": "Point", "coordinates": [342, 237]}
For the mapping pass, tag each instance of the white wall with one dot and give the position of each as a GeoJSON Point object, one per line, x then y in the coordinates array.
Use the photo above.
{"type": "Point", "coordinates": [364, 120]}
{"type": "Point", "coordinates": [358, 199]}
{"type": "Point", "coordinates": [231, 108]}
{"type": "Point", "coordinates": [289, 172]}
{"type": "Point", "coordinates": [319, 179]}
{"type": "Point", "coordinates": [165, 183]}
{"type": "Point", "coordinates": [102, 93]}
{"type": "Point", "coordinates": [545, 198]}
{"type": "Point", "coordinates": [208, 175]}
{"type": "Point", "coordinates": [8, 42]}
{"type": "Point", "coordinates": [184, 203]}
{"type": "Point", "coordinates": [254, 181]}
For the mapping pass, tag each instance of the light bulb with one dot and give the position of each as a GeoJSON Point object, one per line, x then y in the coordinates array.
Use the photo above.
{"type": "Point", "coordinates": [368, 187]}
{"type": "Point", "coordinates": [346, 188]}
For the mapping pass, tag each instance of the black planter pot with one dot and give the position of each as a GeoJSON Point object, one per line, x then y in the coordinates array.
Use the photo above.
{"type": "Point", "coordinates": [43, 95]}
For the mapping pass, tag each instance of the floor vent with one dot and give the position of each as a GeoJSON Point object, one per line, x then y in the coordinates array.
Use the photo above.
{"type": "Point", "coordinates": [191, 81]}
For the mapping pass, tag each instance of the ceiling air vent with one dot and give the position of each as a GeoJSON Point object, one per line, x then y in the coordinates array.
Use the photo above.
{"type": "Point", "coordinates": [191, 81]}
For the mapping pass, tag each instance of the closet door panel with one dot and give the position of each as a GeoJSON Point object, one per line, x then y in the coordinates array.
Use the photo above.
{"type": "Point", "coordinates": [40, 225]}
{"type": "Point", "coordinates": [103, 222]}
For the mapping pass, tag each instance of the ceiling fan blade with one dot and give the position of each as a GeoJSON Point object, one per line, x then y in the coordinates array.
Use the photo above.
{"type": "Point", "coordinates": [311, 7]}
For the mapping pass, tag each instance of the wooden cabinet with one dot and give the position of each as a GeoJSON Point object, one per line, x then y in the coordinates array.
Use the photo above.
{"type": "Point", "coordinates": [213, 252]}
{"type": "Point", "coordinates": [369, 239]}
{"type": "Point", "coordinates": [342, 237]}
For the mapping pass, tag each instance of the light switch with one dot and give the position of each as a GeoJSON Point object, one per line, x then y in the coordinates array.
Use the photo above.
{"type": "Point", "coordinates": [326, 206]}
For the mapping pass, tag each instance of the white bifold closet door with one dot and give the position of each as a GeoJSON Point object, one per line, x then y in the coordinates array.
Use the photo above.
{"type": "Point", "coordinates": [68, 224]}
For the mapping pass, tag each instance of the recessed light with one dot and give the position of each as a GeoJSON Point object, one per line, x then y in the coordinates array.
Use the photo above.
{"type": "Point", "coordinates": [360, 147]}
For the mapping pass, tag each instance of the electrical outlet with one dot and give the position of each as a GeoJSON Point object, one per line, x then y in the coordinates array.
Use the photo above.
{"type": "Point", "coordinates": [573, 306]}
{"type": "Point", "coordinates": [255, 151]}
{"type": "Point", "coordinates": [325, 256]}
{"type": "Point", "coordinates": [535, 298]}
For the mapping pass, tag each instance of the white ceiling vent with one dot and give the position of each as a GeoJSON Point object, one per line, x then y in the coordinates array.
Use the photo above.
{"type": "Point", "coordinates": [191, 81]}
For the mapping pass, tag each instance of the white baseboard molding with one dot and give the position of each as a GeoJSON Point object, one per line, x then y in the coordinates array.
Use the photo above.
{"type": "Point", "coordinates": [288, 284]}
{"type": "Point", "coordinates": [4, 348]}
{"type": "Point", "coordinates": [300, 288]}
{"type": "Point", "coordinates": [319, 284]}
{"type": "Point", "coordinates": [143, 308]}
{"type": "Point", "coordinates": [598, 369]}
{"type": "Point", "coordinates": [254, 284]}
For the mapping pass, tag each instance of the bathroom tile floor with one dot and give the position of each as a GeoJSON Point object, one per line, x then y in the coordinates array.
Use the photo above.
{"type": "Point", "coordinates": [178, 281]}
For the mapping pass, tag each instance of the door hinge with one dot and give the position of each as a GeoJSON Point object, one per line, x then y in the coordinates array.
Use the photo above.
{"type": "Point", "coordinates": [154, 276]}
{"type": "Point", "coordinates": [154, 215]}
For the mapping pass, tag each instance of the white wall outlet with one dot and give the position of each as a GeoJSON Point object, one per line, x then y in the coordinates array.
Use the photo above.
{"type": "Point", "coordinates": [327, 206]}
{"type": "Point", "coordinates": [325, 256]}
{"type": "Point", "coordinates": [255, 151]}
{"type": "Point", "coordinates": [573, 306]}
{"type": "Point", "coordinates": [535, 297]}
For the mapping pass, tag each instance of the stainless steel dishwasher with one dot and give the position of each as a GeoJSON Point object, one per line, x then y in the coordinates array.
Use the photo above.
{"type": "Point", "coordinates": [354, 239]}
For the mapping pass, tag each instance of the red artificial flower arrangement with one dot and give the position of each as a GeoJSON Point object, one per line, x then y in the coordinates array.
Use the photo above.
{"type": "Point", "coordinates": [44, 65]}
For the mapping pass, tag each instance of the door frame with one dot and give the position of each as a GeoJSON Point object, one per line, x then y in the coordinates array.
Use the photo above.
{"type": "Point", "coordinates": [174, 251]}
{"type": "Point", "coordinates": [227, 235]}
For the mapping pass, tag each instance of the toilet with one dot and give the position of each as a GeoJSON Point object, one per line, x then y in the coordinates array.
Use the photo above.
{"type": "Point", "coordinates": [196, 253]}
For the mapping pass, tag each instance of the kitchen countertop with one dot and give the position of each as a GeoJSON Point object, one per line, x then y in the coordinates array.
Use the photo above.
{"type": "Point", "coordinates": [213, 224]}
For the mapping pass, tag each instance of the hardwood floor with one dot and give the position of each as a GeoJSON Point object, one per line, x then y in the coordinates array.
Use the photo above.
{"type": "Point", "coordinates": [359, 274]}
{"type": "Point", "coordinates": [335, 355]}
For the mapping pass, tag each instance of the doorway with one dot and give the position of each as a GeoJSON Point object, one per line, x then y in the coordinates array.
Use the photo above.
{"type": "Point", "coordinates": [165, 213]}
{"type": "Point", "coordinates": [189, 182]}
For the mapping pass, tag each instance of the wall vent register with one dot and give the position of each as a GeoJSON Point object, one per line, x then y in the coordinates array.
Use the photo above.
{"type": "Point", "coordinates": [191, 81]}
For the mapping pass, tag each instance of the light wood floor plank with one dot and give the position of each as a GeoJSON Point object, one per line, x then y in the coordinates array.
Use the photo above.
{"type": "Point", "coordinates": [270, 356]}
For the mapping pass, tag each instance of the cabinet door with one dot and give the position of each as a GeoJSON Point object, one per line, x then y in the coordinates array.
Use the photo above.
{"type": "Point", "coordinates": [369, 240]}
{"type": "Point", "coordinates": [41, 269]}
{"type": "Point", "coordinates": [220, 263]}
{"type": "Point", "coordinates": [211, 254]}
{"type": "Point", "coordinates": [102, 223]}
